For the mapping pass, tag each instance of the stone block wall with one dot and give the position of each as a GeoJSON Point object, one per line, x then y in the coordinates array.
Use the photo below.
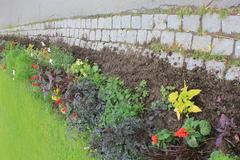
{"type": "Point", "coordinates": [218, 36]}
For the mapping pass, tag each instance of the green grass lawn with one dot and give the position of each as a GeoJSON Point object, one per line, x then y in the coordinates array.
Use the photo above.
{"type": "Point", "coordinates": [29, 130]}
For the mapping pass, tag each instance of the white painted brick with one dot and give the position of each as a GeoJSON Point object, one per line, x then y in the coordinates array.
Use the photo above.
{"type": "Point", "coordinates": [106, 35]}
{"type": "Point", "coordinates": [154, 34]}
{"type": "Point", "coordinates": [116, 22]}
{"type": "Point", "coordinates": [121, 35]}
{"type": "Point", "coordinates": [202, 43]}
{"type": "Point", "coordinates": [88, 23]}
{"type": "Point", "coordinates": [105, 23]}
{"type": "Point", "coordinates": [167, 37]}
{"type": "Point", "coordinates": [237, 49]}
{"type": "Point", "coordinates": [142, 36]}
{"type": "Point", "coordinates": [126, 22]}
{"type": "Point", "coordinates": [173, 22]}
{"type": "Point", "coordinates": [92, 36]}
{"type": "Point", "coordinates": [222, 46]}
{"type": "Point", "coordinates": [113, 35]}
{"type": "Point", "coordinates": [147, 21]}
{"type": "Point", "coordinates": [131, 36]}
{"type": "Point", "coordinates": [160, 21]}
{"type": "Point", "coordinates": [231, 24]}
{"type": "Point", "coordinates": [98, 35]}
{"type": "Point", "coordinates": [191, 23]}
{"type": "Point", "coordinates": [184, 39]}
{"type": "Point", "coordinates": [83, 23]}
{"type": "Point", "coordinates": [136, 22]}
{"type": "Point", "coordinates": [81, 33]}
{"type": "Point", "coordinates": [94, 23]}
{"type": "Point", "coordinates": [211, 23]}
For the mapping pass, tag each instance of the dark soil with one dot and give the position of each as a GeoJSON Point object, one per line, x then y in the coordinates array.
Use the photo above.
{"type": "Point", "coordinates": [217, 96]}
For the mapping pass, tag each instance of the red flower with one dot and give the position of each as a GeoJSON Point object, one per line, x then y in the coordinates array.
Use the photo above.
{"type": "Point", "coordinates": [182, 132]}
{"type": "Point", "coordinates": [33, 78]}
{"type": "Point", "coordinates": [35, 66]}
{"type": "Point", "coordinates": [74, 116]}
{"type": "Point", "coordinates": [64, 110]}
{"type": "Point", "coordinates": [58, 101]}
{"type": "Point", "coordinates": [35, 84]}
{"type": "Point", "coordinates": [155, 139]}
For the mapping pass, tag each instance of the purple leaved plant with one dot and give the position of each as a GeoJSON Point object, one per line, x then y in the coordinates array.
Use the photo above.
{"type": "Point", "coordinates": [227, 128]}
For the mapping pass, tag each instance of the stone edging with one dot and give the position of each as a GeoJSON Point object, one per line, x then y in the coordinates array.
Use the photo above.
{"type": "Point", "coordinates": [122, 33]}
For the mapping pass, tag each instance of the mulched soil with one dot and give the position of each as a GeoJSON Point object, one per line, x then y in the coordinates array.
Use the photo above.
{"type": "Point", "coordinates": [217, 96]}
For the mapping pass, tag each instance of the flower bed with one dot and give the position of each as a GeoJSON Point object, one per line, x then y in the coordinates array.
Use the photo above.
{"type": "Point", "coordinates": [152, 114]}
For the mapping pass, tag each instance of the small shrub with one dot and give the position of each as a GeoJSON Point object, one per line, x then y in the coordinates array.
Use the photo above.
{"type": "Point", "coordinates": [182, 102]}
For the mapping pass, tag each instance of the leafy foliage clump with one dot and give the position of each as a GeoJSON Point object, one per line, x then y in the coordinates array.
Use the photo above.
{"type": "Point", "coordinates": [217, 155]}
{"type": "Point", "coordinates": [121, 103]}
{"type": "Point", "coordinates": [82, 97]}
{"type": "Point", "coordinates": [182, 102]}
{"type": "Point", "coordinates": [60, 58]}
{"type": "Point", "coordinates": [163, 102]}
{"type": "Point", "coordinates": [122, 142]}
{"type": "Point", "coordinates": [198, 130]}
{"type": "Point", "coordinates": [165, 137]}
{"type": "Point", "coordinates": [18, 62]}
{"type": "Point", "coordinates": [50, 79]}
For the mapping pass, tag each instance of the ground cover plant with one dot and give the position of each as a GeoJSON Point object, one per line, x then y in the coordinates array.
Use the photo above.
{"type": "Point", "coordinates": [136, 118]}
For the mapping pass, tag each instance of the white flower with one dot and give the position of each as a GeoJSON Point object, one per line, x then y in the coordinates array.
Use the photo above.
{"type": "Point", "coordinates": [43, 44]}
{"type": "Point", "coordinates": [51, 61]}
{"type": "Point", "coordinates": [31, 54]}
{"type": "Point", "coordinates": [14, 72]}
{"type": "Point", "coordinates": [49, 50]}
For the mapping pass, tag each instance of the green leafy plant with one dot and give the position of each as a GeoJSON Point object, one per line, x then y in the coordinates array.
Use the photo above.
{"type": "Point", "coordinates": [164, 138]}
{"type": "Point", "coordinates": [59, 58]}
{"type": "Point", "coordinates": [84, 70]}
{"type": "Point", "coordinates": [121, 103]}
{"type": "Point", "coordinates": [163, 101]}
{"type": "Point", "coordinates": [217, 155]}
{"type": "Point", "coordinates": [198, 130]}
{"type": "Point", "coordinates": [182, 101]}
{"type": "Point", "coordinates": [18, 62]}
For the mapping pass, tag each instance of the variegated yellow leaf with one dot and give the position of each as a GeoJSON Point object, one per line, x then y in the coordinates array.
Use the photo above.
{"type": "Point", "coordinates": [173, 97]}
{"type": "Point", "coordinates": [193, 92]}
{"type": "Point", "coordinates": [55, 98]}
{"type": "Point", "coordinates": [177, 112]}
{"type": "Point", "coordinates": [194, 109]}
